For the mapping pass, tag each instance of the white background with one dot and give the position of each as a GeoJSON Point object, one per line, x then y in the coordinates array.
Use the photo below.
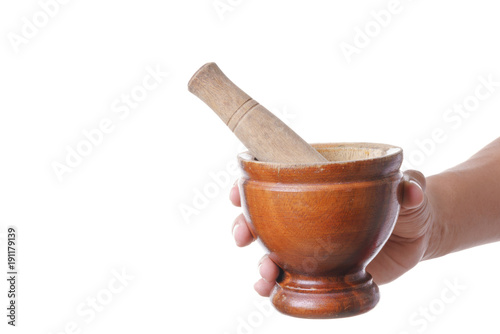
{"type": "Point", "coordinates": [120, 208]}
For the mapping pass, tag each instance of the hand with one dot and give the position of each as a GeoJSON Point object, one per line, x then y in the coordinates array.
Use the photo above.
{"type": "Point", "coordinates": [406, 246]}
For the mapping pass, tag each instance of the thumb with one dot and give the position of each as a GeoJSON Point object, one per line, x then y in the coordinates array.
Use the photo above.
{"type": "Point", "coordinates": [413, 217]}
{"type": "Point", "coordinates": [413, 189]}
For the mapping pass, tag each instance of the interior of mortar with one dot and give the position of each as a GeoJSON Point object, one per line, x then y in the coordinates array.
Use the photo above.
{"type": "Point", "coordinates": [354, 152]}
{"type": "Point", "coordinates": [345, 152]}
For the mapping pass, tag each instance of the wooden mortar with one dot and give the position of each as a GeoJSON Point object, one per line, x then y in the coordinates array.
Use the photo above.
{"type": "Point", "coordinates": [323, 223]}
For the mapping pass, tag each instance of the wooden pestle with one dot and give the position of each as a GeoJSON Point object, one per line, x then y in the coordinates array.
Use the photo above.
{"type": "Point", "coordinates": [266, 136]}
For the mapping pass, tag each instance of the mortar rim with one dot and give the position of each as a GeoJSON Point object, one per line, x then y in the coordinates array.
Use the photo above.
{"type": "Point", "coordinates": [390, 150]}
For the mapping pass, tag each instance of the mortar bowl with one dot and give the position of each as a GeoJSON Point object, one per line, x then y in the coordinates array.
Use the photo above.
{"type": "Point", "coordinates": [322, 223]}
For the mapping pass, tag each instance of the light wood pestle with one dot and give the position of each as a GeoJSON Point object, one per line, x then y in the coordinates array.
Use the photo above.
{"type": "Point", "coordinates": [266, 136]}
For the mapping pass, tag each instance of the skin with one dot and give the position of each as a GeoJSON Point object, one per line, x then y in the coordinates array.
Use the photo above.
{"type": "Point", "coordinates": [444, 213]}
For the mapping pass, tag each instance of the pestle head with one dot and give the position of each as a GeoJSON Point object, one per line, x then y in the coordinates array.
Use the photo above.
{"type": "Point", "coordinates": [212, 86]}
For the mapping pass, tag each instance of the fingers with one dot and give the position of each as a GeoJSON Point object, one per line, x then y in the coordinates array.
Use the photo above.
{"type": "Point", "coordinates": [241, 232]}
{"type": "Point", "coordinates": [413, 189]}
{"type": "Point", "coordinates": [269, 272]}
{"type": "Point", "coordinates": [243, 237]}
{"type": "Point", "coordinates": [234, 195]}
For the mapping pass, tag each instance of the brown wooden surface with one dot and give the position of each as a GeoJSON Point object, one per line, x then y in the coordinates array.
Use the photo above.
{"type": "Point", "coordinates": [323, 223]}
{"type": "Point", "coordinates": [265, 135]}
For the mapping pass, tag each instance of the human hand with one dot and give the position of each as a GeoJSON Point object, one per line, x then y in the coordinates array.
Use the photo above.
{"type": "Point", "coordinates": [406, 246]}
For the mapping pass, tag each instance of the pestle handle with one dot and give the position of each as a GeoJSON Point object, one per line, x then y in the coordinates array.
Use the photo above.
{"type": "Point", "coordinates": [266, 136]}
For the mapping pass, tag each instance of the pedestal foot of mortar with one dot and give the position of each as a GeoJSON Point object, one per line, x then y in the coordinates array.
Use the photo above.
{"type": "Point", "coordinates": [325, 297]}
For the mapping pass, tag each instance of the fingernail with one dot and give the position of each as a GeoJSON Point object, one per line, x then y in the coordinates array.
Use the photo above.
{"type": "Point", "coordinates": [415, 183]}
{"type": "Point", "coordinates": [234, 189]}
{"type": "Point", "coordinates": [265, 280]}
{"type": "Point", "coordinates": [231, 193]}
{"type": "Point", "coordinates": [255, 287]}
{"type": "Point", "coordinates": [235, 226]}
{"type": "Point", "coordinates": [258, 269]}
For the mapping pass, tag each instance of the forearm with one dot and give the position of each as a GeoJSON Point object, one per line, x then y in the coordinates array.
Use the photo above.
{"type": "Point", "coordinates": [465, 202]}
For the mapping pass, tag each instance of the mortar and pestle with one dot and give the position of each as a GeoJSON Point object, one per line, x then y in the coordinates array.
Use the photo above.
{"type": "Point", "coordinates": [322, 211]}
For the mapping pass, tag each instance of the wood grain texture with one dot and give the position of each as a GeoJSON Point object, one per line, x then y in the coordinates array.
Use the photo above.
{"type": "Point", "coordinates": [323, 223]}
{"type": "Point", "coordinates": [265, 135]}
